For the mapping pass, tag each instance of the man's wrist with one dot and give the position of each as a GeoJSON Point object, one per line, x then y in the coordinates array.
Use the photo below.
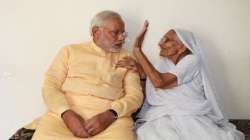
{"type": "Point", "coordinates": [114, 113]}
{"type": "Point", "coordinates": [64, 112]}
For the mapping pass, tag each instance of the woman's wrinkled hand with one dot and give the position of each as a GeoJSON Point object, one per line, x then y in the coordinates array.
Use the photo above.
{"type": "Point", "coordinates": [140, 37]}
{"type": "Point", "coordinates": [128, 63]}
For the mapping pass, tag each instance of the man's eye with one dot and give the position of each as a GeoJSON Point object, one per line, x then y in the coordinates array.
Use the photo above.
{"type": "Point", "coordinates": [115, 32]}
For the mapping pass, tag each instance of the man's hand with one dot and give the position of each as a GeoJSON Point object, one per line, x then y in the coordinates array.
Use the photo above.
{"type": "Point", "coordinates": [75, 123]}
{"type": "Point", "coordinates": [99, 122]}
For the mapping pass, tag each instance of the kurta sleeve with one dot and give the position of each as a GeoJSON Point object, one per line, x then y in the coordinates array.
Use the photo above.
{"type": "Point", "coordinates": [52, 93]}
{"type": "Point", "coordinates": [133, 98]}
{"type": "Point", "coordinates": [186, 69]}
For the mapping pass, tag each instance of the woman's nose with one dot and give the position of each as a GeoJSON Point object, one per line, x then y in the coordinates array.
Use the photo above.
{"type": "Point", "coordinates": [160, 42]}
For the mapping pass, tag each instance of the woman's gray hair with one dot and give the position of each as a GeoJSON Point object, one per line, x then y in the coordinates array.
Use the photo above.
{"type": "Point", "coordinates": [100, 18]}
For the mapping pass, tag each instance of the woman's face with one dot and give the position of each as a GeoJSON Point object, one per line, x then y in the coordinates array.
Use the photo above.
{"type": "Point", "coordinates": [170, 44]}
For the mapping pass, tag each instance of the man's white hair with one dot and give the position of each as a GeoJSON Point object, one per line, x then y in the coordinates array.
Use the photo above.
{"type": "Point", "coordinates": [100, 18]}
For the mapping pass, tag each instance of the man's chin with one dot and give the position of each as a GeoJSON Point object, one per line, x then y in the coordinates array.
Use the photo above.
{"type": "Point", "coordinates": [119, 46]}
{"type": "Point", "coordinates": [116, 48]}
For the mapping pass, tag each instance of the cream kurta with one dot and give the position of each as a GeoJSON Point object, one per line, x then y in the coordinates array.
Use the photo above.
{"type": "Point", "coordinates": [83, 78]}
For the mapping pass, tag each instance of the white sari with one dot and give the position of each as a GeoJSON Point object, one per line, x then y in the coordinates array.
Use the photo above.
{"type": "Point", "coordinates": [188, 111]}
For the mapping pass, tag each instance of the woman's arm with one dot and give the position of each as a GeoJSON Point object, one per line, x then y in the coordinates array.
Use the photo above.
{"type": "Point", "coordinates": [159, 80]}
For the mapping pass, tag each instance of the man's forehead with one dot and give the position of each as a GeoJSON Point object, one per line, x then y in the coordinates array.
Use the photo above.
{"type": "Point", "coordinates": [114, 22]}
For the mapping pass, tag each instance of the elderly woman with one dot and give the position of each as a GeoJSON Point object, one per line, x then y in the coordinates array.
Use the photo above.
{"type": "Point", "coordinates": [180, 102]}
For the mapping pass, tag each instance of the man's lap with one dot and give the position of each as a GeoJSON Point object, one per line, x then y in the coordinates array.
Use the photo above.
{"type": "Point", "coordinates": [51, 127]}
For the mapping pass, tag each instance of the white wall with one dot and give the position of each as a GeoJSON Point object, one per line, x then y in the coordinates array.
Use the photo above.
{"type": "Point", "coordinates": [31, 32]}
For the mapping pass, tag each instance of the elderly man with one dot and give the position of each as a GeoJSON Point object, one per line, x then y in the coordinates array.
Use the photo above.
{"type": "Point", "coordinates": [86, 95]}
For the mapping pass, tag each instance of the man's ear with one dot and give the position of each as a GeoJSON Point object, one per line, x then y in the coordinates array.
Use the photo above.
{"type": "Point", "coordinates": [95, 31]}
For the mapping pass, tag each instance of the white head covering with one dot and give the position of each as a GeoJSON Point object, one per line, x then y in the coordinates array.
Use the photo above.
{"type": "Point", "coordinates": [188, 39]}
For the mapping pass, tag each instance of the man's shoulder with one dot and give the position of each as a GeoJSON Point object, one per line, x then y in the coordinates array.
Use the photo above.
{"type": "Point", "coordinates": [125, 52]}
{"type": "Point", "coordinates": [78, 46]}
